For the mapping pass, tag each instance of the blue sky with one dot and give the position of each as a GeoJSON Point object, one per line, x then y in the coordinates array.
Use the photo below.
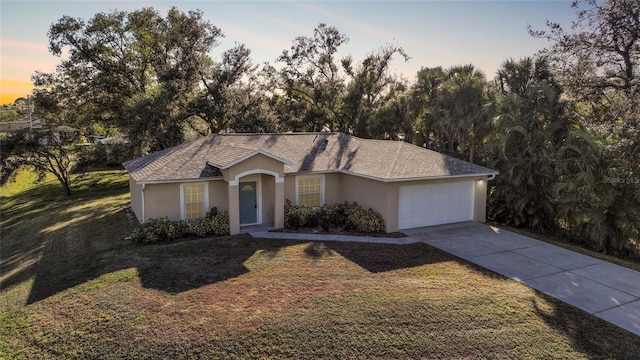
{"type": "Point", "coordinates": [433, 33]}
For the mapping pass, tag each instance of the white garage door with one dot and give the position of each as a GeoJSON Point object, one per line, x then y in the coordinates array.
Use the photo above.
{"type": "Point", "coordinates": [434, 204]}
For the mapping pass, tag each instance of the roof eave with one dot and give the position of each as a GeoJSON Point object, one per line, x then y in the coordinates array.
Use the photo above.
{"type": "Point", "coordinates": [490, 175]}
{"type": "Point", "coordinates": [169, 181]}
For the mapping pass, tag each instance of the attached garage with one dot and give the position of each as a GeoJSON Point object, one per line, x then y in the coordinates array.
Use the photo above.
{"type": "Point", "coordinates": [437, 203]}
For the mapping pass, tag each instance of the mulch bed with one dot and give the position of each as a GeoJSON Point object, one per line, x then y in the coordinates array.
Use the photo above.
{"type": "Point", "coordinates": [339, 231]}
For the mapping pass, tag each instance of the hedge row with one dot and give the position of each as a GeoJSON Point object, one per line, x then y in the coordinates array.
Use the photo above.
{"type": "Point", "coordinates": [164, 230]}
{"type": "Point", "coordinates": [349, 216]}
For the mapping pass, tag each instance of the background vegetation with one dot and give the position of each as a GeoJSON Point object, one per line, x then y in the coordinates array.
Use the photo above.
{"type": "Point", "coordinates": [561, 126]}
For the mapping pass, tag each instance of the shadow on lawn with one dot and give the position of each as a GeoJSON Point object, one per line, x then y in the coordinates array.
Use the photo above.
{"type": "Point", "coordinates": [581, 328]}
{"type": "Point", "coordinates": [378, 258]}
{"type": "Point", "coordinates": [191, 264]}
{"type": "Point", "coordinates": [58, 240]}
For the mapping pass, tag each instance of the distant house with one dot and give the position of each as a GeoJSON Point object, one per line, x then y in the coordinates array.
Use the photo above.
{"type": "Point", "coordinates": [251, 175]}
{"type": "Point", "coordinates": [65, 133]}
{"type": "Point", "coordinates": [36, 123]}
{"type": "Point", "coordinates": [60, 132]}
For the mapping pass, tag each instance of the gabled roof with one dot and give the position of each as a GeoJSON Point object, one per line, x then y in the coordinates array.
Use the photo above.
{"type": "Point", "coordinates": [230, 157]}
{"type": "Point", "coordinates": [382, 160]}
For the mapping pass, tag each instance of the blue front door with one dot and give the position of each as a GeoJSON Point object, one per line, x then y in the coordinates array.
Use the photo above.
{"type": "Point", "coordinates": [248, 203]}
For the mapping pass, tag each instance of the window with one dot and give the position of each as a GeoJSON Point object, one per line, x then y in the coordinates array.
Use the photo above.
{"type": "Point", "coordinates": [310, 191]}
{"type": "Point", "coordinates": [194, 200]}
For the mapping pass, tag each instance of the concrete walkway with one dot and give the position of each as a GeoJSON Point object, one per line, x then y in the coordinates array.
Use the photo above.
{"type": "Point", "coordinates": [608, 291]}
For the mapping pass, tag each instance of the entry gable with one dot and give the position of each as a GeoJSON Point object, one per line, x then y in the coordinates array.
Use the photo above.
{"type": "Point", "coordinates": [242, 155]}
{"type": "Point", "coordinates": [254, 162]}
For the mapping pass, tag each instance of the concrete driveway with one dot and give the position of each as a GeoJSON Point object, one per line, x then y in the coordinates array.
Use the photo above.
{"type": "Point", "coordinates": [608, 291]}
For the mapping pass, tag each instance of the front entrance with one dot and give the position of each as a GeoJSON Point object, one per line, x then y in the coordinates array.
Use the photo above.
{"type": "Point", "coordinates": [248, 203]}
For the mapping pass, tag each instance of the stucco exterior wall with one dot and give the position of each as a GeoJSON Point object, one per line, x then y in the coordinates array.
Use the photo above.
{"type": "Point", "coordinates": [333, 188]}
{"type": "Point", "coordinates": [268, 183]}
{"type": "Point", "coordinates": [218, 195]}
{"type": "Point", "coordinates": [135, 191]}
{"type": "Point", "coordinates": [255, 162]}
{"type": "Point", "coordinates": [381, 197]}
{"type": "Point", "coordinates": [162, 200]}
{"type": "Point", "coordinates": [290, 188]}
{"type": "Point", "coordinates": [480, 210]}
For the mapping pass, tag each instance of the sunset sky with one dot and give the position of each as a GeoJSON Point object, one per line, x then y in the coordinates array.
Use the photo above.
{"type": "Point", "coordinates": [433, 33]}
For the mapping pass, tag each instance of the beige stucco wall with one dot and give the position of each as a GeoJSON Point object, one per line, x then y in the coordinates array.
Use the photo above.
{"type": "Point", "coordinates": [218, 195]}
{"type": "Point", "coordinates": [290, 188]}
{"type": "Point", "coordinates": [333, 188]}
{"type": "Point", "coordinates": [480, 210]}
{"type": "Point", "coordinates": [162, 200]}
{"type": "Point", "coordinates": [135, 191]}
{"type": "Point", "coordinates": [268, 187]}
{"type": "Point", "coordinates": [381, 197]}
{"type": "Point", "coordinates": [256, 162]}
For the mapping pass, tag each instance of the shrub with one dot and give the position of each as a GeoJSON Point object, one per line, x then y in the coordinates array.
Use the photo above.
{"type": "Point", "coordinates": [364, 221]}
{"type": "Point", "coordinates": [220, 223]}
{"type": "Point", "coordinates": [177, 230]}
{"type": "Point", "coordinates": [160, 230]}
{"type": "Point", "coordinates": [200, 227]}
{"type": "Point", "coordinates": [152, 231]}
{"type": "Point", "coordinates": [296, 217]}
{"type": "Point", "coordinates": [350, 216]}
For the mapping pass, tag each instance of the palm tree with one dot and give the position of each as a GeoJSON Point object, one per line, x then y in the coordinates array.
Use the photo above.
{"type": "Point", "coordinates": [466, 101]}
{"type": "Point", "coordinates": [452, 108]}
{"type": "Point", "coordinates": [531, 127]}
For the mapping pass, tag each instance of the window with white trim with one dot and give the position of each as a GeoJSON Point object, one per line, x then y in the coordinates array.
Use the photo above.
{"type": "Point", "coordinates": [310, 191]}
{"type": "Point", "coordinates": [195, 200]}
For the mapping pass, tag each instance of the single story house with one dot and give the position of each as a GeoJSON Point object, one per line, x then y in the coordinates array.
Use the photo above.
{"type": "Point", "coordinates": [251, 175]}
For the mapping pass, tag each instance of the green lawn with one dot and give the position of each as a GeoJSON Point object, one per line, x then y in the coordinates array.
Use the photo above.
{"type": "Point", "coordinates": [72, 287]}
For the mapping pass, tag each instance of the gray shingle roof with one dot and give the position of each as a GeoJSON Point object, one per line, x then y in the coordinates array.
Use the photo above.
{"type": "Point", "coordinates": [308, 152]}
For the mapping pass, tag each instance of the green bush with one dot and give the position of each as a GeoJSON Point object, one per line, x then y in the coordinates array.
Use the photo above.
{"type": "Point", "coordinates": [296, 217]}
{"type": "Point", "coordinates": [199, 227]}
{"type": "Point", "coordinates": [177, 230]}
{"type": "Point", "coordinates": [220, 223]}
{"type": "Point", "coordinates": [162, 230]}
{"type": "Point", "coordinates": [152, 231]}
{"type": "Point", "coordinates": [350, 216]}
{"type": "Point", "coordinates": [364, 221]}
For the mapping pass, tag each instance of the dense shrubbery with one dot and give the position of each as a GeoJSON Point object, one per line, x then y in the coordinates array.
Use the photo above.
{"type": "Point", "coordinates": [163, 230]}
{"type": "Point", "coordinates": [349, 216]}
